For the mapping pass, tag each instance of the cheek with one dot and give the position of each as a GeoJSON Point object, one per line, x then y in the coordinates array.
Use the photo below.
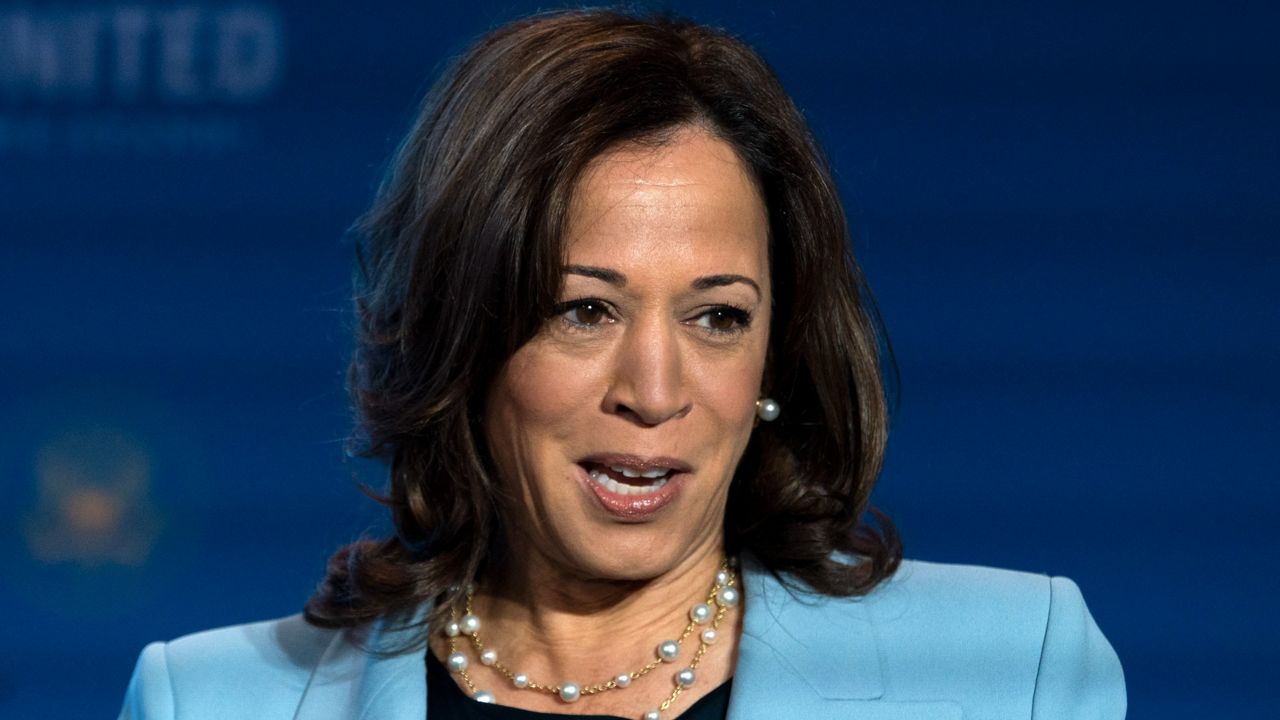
{"type": "Point", "coordinates": [734, 398]}
{"type": "Point", "coordinates": [730, 392]}
{"type": "Point", "coordinates": [534, 399]}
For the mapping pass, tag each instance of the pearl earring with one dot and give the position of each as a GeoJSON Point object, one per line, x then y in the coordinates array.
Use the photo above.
{"type": "Point", "coordinates": [768, 409]}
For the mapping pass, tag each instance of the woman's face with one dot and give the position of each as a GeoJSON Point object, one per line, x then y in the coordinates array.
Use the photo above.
{"type": "Point", "coordinates": [618, 427]}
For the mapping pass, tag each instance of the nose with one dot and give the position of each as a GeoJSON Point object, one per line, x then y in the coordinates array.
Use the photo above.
{"type": "Point", "coordinates": [648, 383]}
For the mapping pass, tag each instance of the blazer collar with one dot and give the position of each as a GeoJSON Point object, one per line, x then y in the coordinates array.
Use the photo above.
{"type": "Point", "coordinates": [801, 648]}
{"type": "Point", "coordinates": [349, 682]}
{"type": "Point", "coordinates": [798, 654]}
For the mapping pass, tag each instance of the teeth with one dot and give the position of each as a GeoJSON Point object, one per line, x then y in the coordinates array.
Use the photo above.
{"type": "Point", "coordinates": [649, 474]}
{"type": "Point", "coordinates": [612, 485]}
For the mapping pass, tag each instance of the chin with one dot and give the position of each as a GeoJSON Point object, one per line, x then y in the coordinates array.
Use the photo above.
{"type": "Point", "coordinates": [629, 553]}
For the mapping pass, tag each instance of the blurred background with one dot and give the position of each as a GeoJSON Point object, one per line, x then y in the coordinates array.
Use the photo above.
{"type": "Point", "coordinates": [1068, 213]}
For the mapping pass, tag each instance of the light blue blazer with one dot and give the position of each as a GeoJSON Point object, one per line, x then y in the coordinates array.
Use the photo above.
{"type": "Point", "coordinates": [935, 642]}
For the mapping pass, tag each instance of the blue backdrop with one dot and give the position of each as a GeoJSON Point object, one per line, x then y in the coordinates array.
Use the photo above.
{"type": "Point", "coordinates": [1068, 212]}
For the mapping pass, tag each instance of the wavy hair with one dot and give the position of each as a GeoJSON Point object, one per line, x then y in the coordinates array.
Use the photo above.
{"type": "Point", "coordinates": [459, 263]}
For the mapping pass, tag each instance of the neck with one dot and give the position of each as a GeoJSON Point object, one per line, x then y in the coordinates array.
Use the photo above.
{"type": "Point", "coordinates": [559, 624]}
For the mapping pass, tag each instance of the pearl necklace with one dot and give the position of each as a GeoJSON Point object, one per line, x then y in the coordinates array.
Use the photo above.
{"type": "Point", "coordinates": [720, 599]}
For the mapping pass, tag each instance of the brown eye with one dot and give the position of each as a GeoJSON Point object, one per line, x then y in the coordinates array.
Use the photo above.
{"type": "Point", "coordinates": [724, 320]}
{"type": "Point", "coordinates": [585, 313]}
{"type": "Point", "coordinates": [721, 320]}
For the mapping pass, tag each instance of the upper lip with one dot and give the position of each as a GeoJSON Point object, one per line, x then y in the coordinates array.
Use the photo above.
{"type": "Point", "coordinates": [638, 463]}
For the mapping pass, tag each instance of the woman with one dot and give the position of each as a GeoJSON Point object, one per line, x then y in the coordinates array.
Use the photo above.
{"type": "Point", "coordinates": [616, 352]}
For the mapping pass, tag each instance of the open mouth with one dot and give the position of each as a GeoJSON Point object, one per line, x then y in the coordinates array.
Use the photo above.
{"type": "Point", "coordinates": [628, 481]}
{"type": "Point", "coordinates": [633, 488]}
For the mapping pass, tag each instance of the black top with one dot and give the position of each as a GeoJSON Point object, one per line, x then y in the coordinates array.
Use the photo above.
{"type": "Point", "coordinates": [446, 700]}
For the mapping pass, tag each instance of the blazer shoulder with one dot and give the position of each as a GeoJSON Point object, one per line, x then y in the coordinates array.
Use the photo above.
{"type": "Point", "coordinates": [964, 589]}
{"type": "Point", "coordinates": [256, 670]}
{"type": "Point", "coordinates": [962, 613]}
{"type": "Point", "coordinates": [1028, 635]}
{"type": "Point", "coordinates": [1079, 675]}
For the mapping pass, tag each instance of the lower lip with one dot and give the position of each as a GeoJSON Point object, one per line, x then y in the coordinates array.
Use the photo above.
{"type": "Point", "coordinates": [633, 508]}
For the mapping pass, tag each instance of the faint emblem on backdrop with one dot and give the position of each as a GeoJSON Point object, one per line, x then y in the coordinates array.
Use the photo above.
{"type": "Point", "coordinates": [135, 79]}
{"type": "Point", "coordinates": [92, 504]}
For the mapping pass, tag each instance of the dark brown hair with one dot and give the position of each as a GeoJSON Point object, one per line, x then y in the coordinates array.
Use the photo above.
{"type": "Point", "coordinates": [459, 264]}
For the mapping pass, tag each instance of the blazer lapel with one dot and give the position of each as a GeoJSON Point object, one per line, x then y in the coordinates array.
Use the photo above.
{"type": "Point", "coordinates": [811, 657]}
{"type": "Point", "coordinates": [352, 683]}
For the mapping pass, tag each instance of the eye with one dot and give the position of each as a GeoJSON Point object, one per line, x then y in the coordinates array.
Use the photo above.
{"type": "Point", "coordinates": [724, 319]}
{"type": "Point", "coordinates": [586, 313]}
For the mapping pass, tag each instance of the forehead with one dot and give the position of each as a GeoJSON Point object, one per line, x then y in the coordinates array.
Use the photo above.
{"type": "Point", "coordinates": [690, 200]}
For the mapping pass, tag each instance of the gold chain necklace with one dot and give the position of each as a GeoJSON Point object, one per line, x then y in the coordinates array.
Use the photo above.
{"type": "Point", "coordinates": [720, 599]}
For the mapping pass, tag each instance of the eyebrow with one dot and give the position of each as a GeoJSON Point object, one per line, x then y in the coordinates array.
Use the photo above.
{"type": "Point", "coordinates": [711, 281]}
{"type": "Point", "coordinates": [613, 277]}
